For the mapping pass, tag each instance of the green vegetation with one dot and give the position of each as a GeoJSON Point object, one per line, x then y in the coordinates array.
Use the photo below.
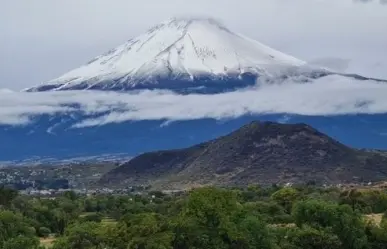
{"type": "Point", "coordinates": [302, 217]}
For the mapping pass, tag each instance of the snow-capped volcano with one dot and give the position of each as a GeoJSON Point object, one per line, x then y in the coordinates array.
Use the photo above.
{"type": "Point", "coordinates": [175, 53]}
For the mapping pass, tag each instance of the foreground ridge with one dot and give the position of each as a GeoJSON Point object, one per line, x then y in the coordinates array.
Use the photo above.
{"type": "Point", "coordinates": [259, 152]}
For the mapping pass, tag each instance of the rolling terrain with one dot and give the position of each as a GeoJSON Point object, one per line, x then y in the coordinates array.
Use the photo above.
{"type": "Point", "coordinates": [257, 153]}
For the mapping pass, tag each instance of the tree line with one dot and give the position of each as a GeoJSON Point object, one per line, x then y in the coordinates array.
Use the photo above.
{"type": "Point", "coordinates": [299, 217]}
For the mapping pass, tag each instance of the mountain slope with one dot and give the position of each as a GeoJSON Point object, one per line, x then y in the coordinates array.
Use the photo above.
{"type": "Point", "coordinates": [181, 49]}
{"type": "Point", "coordinates": [260, 152]}
{"type": "Point", "coordinates": [51, 137]}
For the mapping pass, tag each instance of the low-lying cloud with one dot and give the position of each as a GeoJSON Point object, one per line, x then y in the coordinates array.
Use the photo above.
{"type": "Point", "coordinates": [331, 95]}
{"type": "Point", "coordinates": [370, 1]}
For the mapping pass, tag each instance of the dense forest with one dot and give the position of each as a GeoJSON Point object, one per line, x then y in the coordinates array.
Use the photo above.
{"type": "Point", "coordinates": [298, 217]}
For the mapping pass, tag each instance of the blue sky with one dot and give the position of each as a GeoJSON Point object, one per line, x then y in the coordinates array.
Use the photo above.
{"type": "Point", "coordinates": [41, 40]}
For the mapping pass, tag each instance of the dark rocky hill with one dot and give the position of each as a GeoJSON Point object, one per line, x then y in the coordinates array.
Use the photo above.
{"type": "Point", "coordinates": [259, 152]}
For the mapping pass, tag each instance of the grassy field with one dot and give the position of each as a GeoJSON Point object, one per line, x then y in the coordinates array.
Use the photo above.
{"type": "Point", "coordinates": [376, 218]}
{"type": "Point", "coordinates": [84, 214]}
{"type": "Point", "coordinates": [47, 242]}
{"type": "Point", "coordinates": [107, 220]}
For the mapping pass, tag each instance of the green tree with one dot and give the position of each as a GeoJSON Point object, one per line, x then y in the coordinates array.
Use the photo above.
{"type": "Point", "coordinates": [374, 201]}
{"type": "Point", "coordinates": [6, 196]}
{"type": "Point", "coordinates": [270, 211]}
{"type": "Point", "coordinates": [22, 242]}
{"type": "Point", "coordinates": [71, 195]}
{"type": "Point", "coordinates": [13, 225]}
{"type": "Point", "coordinates": [205, 219]}
{"type": "Point", "coordinates": [352, 197]}
{"type": "Point", "coordinates": [213, 218]}
{"type": "Point", "coordinates": [377, 236]}
{"type": "Point", "coordinates": [286, 197]}
{"type": "Point", "coordinates": [149, 231]}
{"type": "Point", "coordinates": [308, 237]}
{"type": "Point", "coordinates": [343, 221]}
{"type": "Point", "coordinates": [86, 235]}
{"type": "Point", "coordinates": [95, 217]}
{"type": "Point", "coordinates": [44, 232]}
{"type": "Point", "coordinates": [251, 232]}
{"type": "Point", "coordinates": [211, 207]}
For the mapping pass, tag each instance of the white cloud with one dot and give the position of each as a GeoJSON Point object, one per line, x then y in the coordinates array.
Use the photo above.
{"type": "Point", "coordinates": [5, 90]}
{"type": "Point", "coordinates": [330, 95]}
{"type": "Point", "coordinates": [331, 63]}
{"type": "Point", "coordinates": [370, 1]}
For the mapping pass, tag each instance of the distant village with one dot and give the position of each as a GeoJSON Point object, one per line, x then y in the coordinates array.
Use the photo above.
{"type": "Point", "coordinates": [50, 182]}
{"type": "Point", "coordinates": [88, 192]}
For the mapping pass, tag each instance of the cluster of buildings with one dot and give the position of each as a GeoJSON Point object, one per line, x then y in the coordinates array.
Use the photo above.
{"type": "Point", "coordinates": [55, 192]}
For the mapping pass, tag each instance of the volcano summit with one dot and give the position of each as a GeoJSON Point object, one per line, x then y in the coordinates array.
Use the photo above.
{"type": "Point", "coordinates": [178, 53]}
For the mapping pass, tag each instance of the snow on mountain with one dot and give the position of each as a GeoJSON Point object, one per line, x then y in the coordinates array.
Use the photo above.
{"type": "Point", "coordinates": [180, 49]}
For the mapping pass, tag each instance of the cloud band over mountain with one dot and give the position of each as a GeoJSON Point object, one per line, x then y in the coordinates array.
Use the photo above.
{"type": "Point", "coordinates": [331, 95]}
{"type": "Point", "coordinates": [370, 1]}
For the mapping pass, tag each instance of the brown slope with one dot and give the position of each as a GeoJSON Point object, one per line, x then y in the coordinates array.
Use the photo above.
{"type": "Point", "coordinates": [260, 152]}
